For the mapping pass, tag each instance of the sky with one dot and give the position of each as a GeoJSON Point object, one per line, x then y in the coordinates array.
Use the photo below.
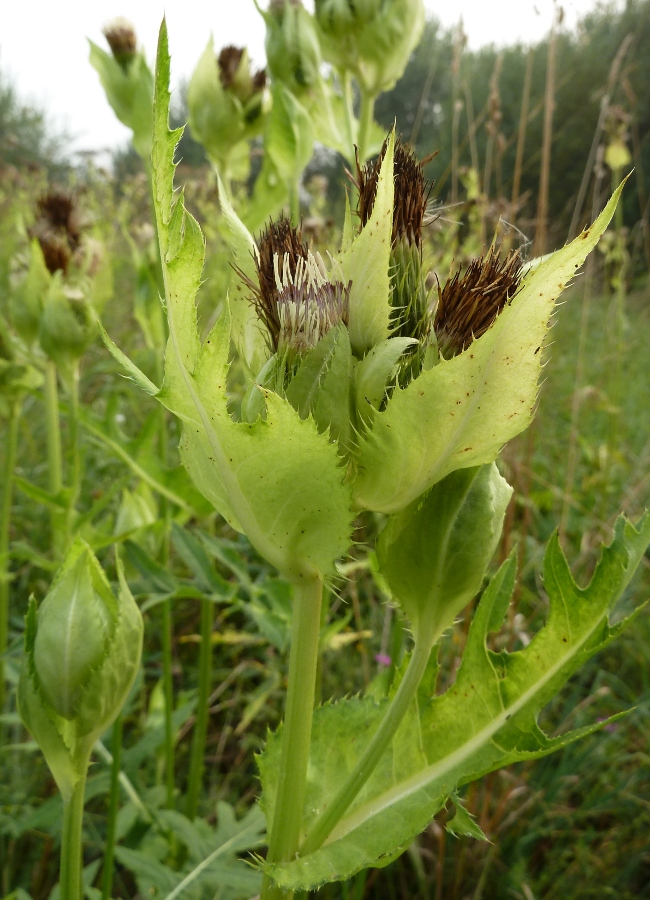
{"type": "Point", "coordinates": [44, 48]}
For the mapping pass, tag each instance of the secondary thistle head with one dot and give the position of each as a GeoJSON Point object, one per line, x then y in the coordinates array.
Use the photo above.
{"type": "Point", "coordinates": [121, 38]}
{"type": "Point", "coordinates": [57, 229]}
{"type": "Point", "coordinates": [471, 300]}
{"type": "Point", "coordinates": [411, 193]}
{"type": "Point", "coordinates": [236, 76]}
{"type": "Point", "coordinates": [294, 298]}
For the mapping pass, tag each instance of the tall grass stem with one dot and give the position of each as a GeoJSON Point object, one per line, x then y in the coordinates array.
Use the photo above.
{"type": "Point", "coordinates": [201, 723]}
{"type": "Point", "coordinates": [113, 809]}
{"type": "Point", "coordinates": [5, 523]}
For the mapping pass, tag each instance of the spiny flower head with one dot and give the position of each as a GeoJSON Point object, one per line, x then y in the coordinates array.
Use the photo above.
{"type": "Point", "coordinates": [57, 229]}
{"type": "Point", "coordinates": [471, 300]}
{"type": "Point", "coordinates": [412, 191]}
{"type": "Point", "coordinates": [308, 304]}
{"type": "Point", "coordinates": [236, 76]}
{"type": "Point", "coordinates": [122, 40]}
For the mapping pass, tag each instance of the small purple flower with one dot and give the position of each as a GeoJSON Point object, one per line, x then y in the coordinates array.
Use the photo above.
{"type": "Point", "coordinates": [383, 659]}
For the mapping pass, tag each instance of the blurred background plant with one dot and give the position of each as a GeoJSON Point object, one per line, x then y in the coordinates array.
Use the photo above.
{"type": "Point", "coordinates": [530, 141]}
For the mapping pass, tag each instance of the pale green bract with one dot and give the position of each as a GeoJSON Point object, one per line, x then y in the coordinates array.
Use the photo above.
{"type": "Point", "coordinates": [129, 93]}
{"type": "Point", "coordinates": [82, 653]}
{"type": "Point", "coordinates": [486, 720]}
{"type": "Point", "coordinates": [278, 480]}
{"type": "Point", "coordinates": [461, 412]}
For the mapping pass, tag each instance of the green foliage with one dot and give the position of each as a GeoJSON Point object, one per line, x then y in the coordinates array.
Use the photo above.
{"type": "Point", "coordinates": [82, 653]}
{"type": "Point", "coordinates": [434, 553]}
{"type": "Point", "coordinates": [462, 411]}
{"type": "Point", "coordinates": [436, 750]}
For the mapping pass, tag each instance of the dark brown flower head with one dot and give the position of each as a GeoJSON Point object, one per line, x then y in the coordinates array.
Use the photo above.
{"type": "Point", "coordinates": [229, 61]}
{"type": "Point", "coordinates": [259, 81]}
{"type": "Point", "coordinates": [309, 308]}
{"type": "Point", "coordinates": [57, 229]}
{"type": "Point", "coordinates": [122, 40]}
{"type": "Point", "coordinates": [471, 300]}
{"type": "Point", "coordinates": [235, 74]}
{"type": "Point", "coordinates": [294, 299]}
{"type": "Point", "coordinates": [411, 192]}
{"type": "Point", "coordinates": [279, 241]}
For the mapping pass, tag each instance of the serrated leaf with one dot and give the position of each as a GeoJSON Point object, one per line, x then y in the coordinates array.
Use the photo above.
{"type": "Point", "coordinates": [462, 411]}
{"type": "Point", "coordinates": [277, 480]}
{"type": "Point", "coordinates": [321, 386]}
{"type": "Point", "coordinates": [366, 263]}
{"type": "Point", "coordinates": [373, 375]}
{"type": "Point", "coordinates": [247, 334]}
{"type": "Point", "coordinates": [463, 824]}
{"type": "Point", "coordinates": [486, 720]}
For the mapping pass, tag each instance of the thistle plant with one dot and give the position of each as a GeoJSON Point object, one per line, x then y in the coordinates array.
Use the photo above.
{"type": "Point", "coordinates": [52, 310]}
{"type": "Point", "coordinates": [228, 105]}
{"type": "Point", "coordinates": [82, 653]}
{"type": "Point", "coordinates": [333, 423]}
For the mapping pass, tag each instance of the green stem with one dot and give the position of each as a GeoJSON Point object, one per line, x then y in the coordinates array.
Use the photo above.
{"type": "Point", "coordinates": [5, 522]}
{"type": "Point", "coordinates": [54, 466]}
{"type": "Point", "coordinates": [322, 827]}
{"type": "Point", "coordinates": [365, 121]}
{"type": "Point", "coordinates": [71, 862]}
{"type": "Point", "coordinates": [348, 105]}
{"type": "Point", "coordinates": [168, 691]}
{"type": "Point", "coordinates": [296, 731]}
{"type": "Point", "coordinates": [113, 808]}
{"type": "Point", "coordinates": [294, 203]}
{"type": "Point", "coordinates": [75, 454]}
{"type": "Point", "coordinates": [201, 724]}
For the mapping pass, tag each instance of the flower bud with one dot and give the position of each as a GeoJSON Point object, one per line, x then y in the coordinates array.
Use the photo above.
{"type": "Point", "coordinates": [227, 102]}
{"type": "Point", "coordinates": [82, 652]}
{"type": "Point", "coordinates": [121, 38]}
{"type": "Point", "coordinates": [372, 39]}
{"type": "Point", "coordinates": [67, 325]}
{"type": "Point", "coordinates": [57, 229]}
{"type": "Point", "coordinates": [434, 553]}
{"type": "Point", "coordinates": [292, 47]}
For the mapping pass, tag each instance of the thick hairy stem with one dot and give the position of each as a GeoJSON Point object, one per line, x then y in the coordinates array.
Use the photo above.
{"type": "Point", "coordinates": [71, 862]}
{"type": "Point", "coordinates": [326, 822]}
{"type": "Point", "coordinates": [5, 522]}
{"type": "Point", "coordinates": [201, 724]}
{"type": "Point", "coordinates": [296, 731]}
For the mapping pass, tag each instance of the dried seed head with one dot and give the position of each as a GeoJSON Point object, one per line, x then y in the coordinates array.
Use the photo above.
{"type": "Point", "coordinates": [122, 40]}
{"type": "Point", "coordinates": [411, 193]}
{"type": "Point", "coordinates": [57, 229]}
{"type": "Point", "coordinates": [470, 301]}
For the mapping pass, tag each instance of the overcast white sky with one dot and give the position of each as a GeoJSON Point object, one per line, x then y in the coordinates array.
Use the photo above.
{"type": "Point", "coordinates": [44, 51]}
